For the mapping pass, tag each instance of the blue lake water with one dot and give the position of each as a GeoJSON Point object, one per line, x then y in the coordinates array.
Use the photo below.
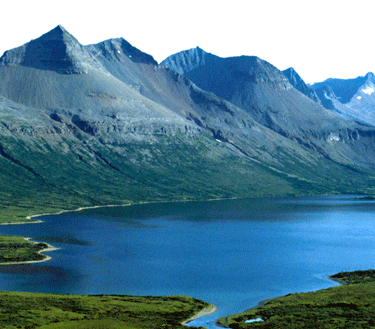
{"type": "Point", "coordinates": [231, 253]}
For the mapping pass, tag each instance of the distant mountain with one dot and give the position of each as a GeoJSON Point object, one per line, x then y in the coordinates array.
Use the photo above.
{"type": "Point", "coordinates": [98, 124]}
{"type": "Point", "coordinates": [352, 97]}
{"type": "Point", "coordinates": [298, 83]}
{"type": "Point", "coordinates": [266, 94]}
{"type": "Point", "coordinates": [344, 89]}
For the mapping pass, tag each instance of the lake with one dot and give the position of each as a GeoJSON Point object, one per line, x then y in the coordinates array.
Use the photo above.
{"type": "Point", "coordinates": [231, 253]}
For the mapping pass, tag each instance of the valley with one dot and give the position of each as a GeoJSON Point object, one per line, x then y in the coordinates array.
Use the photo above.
{"type": "Point", "coordinates": [105, 124]}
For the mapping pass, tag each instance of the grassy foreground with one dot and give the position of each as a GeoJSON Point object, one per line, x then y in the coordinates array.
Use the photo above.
{"type": "Point", "coordinates": [349, 306]}
{"type": "Point", "coordinates": [50, 311]}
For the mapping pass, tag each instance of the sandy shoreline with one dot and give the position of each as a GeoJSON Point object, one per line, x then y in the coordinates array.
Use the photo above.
{"type": "Point", "coordinates": [206, 311]}
{"type": "Point", "coordinates": [59, 213]}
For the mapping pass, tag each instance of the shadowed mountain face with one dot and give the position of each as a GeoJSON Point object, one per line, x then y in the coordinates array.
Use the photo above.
{"type": "Point", "coordinates": [105, 123]}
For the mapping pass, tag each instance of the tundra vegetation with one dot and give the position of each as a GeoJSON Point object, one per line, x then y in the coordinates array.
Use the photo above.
{"type": "Point", "coordinates": [347, 306]}
{"type": "Point", "coordinates": [50, 311]}
{"type": "Point", "coordinates": [18, 249]}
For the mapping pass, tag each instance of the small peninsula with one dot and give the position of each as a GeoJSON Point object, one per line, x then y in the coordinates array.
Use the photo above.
{"type": "Point", "coordinates": [18, 250]}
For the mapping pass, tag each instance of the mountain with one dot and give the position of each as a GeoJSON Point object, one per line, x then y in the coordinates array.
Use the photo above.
{"type": "Point", "coordinates": [186, 61]}
{"type": "Point", "coordinates": [353, 98]}
{"type": "Point", "coordinates": [298, 83]}
{"type": "Point", "coordinates": [56, 50]}
{"type": "Point", "coordinates": [265, 93]}
{"type": "Point", "coordinates": [104, 124]}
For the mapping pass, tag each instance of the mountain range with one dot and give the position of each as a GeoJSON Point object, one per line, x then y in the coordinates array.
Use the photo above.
{"type": "Point", "coordinates": [352, 98]}
{"type": "Point", "coordinates": [105, 123]}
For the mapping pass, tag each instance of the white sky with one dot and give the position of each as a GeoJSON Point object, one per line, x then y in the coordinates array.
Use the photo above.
{"type": "Point", "coordinates": [320, 38]}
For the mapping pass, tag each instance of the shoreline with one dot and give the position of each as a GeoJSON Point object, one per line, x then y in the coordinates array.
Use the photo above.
{"type": "Point", "coordinates": [108, 206]}
{"type": "Point", "coordinates": [265, 301]}
{"type": "Point", "coordinates": [340, 281]}
{"type": "Point", "coordinates": [205, 311]}
{"type": "Point", "coordinates": [59, 213]}
{"type": "Point", "coordinates": [41, 252]}
{"type": "Point", "coordinates": [134, 204]}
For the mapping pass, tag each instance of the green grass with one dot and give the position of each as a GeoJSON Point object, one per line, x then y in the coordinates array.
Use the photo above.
{"type": "Point", "coordinates": [17, 249]}
{"type": "Point", "coordinates": [348, 306]}
{"type": "Point", "coordinates": [47, 311]}
{"type": "Point", "coordinates": [354, 277]}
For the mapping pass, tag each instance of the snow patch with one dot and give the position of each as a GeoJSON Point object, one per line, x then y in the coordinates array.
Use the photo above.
{"type": "Point", "coordinates": [254, 320]}
{"type": "Point", "coordinates": [333, 137]}
{"type": "Point", "coordinates": [369, 90]}
{"type": "Point", "coordinates": [359, 97]}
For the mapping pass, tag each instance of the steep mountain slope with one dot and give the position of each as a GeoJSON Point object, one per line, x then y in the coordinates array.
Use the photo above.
{"type": "Point", "coordinates": [235, 125]}
{"type": "Point", "coordinates": [99, 124]}
{"type": "Point", "coordinates": [79, 89]}
{"type": "Point", "coordinates": [330, 101]}
{"type": "Point", "coordinates": [266, 94]}
{"type": "Point", "coordinates": [297, 82]}
{"type": "Point", "coordinates": [188, 60]}
{"type": "Point", "coordinates": [352, 97]}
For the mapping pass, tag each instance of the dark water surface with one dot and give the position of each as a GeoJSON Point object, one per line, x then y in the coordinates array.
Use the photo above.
{"type": "Point", "coordinates": [231, 253]}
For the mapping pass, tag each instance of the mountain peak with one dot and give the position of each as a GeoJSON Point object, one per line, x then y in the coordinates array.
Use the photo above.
{"type": "Point", "coordinates": [298, 83]}
{"type": "Point", "coordinates": [56, 50]}
{"type": "Point", "coordinates": [187, 60]}
{"type": "Point", "coordinates": [291, 70]}
{"type": "Point", "coordinates": [59, 29]}
{"type": "Point", "coordinates": [119, 48]}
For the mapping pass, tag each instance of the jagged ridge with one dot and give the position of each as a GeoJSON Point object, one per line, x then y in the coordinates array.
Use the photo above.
{"type": "Point", "coordinates": [298, 83]}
